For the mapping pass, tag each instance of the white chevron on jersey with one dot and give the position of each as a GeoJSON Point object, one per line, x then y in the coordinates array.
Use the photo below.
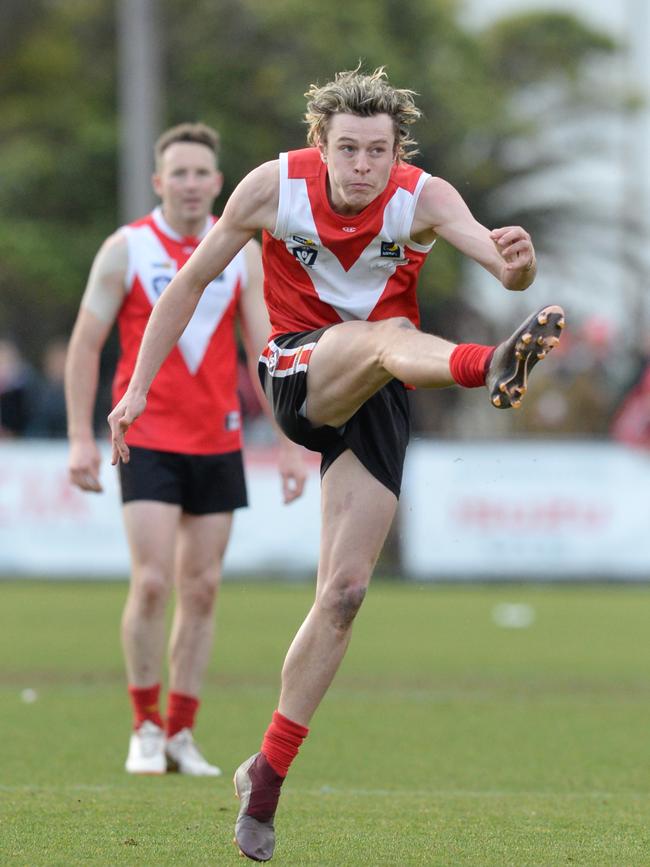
{"type": "Point", "coordinates": [353, 293]}
{"type": "Point", "coordinates": [150, 263]}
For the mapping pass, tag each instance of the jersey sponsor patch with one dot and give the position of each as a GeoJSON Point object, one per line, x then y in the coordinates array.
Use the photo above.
{"type": "Point", "coordinates": [390, 250]}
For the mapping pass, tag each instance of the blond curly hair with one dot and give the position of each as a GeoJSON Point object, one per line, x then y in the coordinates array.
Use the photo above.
{"type": "Point", "coordinates": [355, 92]}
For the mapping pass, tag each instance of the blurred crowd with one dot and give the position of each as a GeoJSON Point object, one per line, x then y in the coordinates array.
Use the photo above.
{"type": "Point", "coordinates": [32, 396]}
{"type": "Point", "coordinates": [579, 390]}
{"type": "Point", "coordinates": [594, 385]}
{"type": "Point", "coordinates": [32, 401]}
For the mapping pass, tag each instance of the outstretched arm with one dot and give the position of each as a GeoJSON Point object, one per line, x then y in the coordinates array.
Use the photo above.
{"type": "Point", "coordinates": [507, 252]}
{"type": "Point", "coordinates": [255, 331]}
{"type": "Point", "coordinates": [252, 206]}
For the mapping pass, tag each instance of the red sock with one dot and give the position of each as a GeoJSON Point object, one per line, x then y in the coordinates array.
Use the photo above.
{"type": "Point", "coordinates": [181, 711]}
{"type": "Point", "coordinates": [282, 742]}
{"type": "Point", "coordinates": [145, 704]}
{"type": "Point", "coordinates": [469, 363]}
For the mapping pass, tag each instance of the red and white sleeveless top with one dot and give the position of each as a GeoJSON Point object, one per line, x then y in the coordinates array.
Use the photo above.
{"type": "Point", "coordinates": [321, 267]}
{"type": "Point", "coordinates": [192, 406]}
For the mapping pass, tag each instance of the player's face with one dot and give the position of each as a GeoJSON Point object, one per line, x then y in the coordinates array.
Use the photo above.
{"type": "Point", "coordinates": [187, 182]}
{"type": "Point", "coordinates": [359, 152]}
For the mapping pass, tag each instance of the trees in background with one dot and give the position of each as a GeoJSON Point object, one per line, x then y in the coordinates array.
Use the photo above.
{"type": "Point", "coordinates": [243, 65]}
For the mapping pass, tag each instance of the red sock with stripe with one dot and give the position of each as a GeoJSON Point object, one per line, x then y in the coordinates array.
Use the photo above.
{"type": "Point", "coordinates": [144, 701]}
{"type": "Point", "coordinates": [469, 363]}
{"type": "Point", "coordinates": [281, 742]}
{"type": "Point", "coordinates": [181, 711]}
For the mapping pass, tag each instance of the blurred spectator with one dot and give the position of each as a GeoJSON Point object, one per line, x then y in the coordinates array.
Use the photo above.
{"type": "Point", "coordinates": [631, 424]}
{"type": "Point", "coordinates": [48, 416]}
{"type": "Point", "coordinates": [576, 394]}
{"type": "Point", "coordinates": [17, 386]}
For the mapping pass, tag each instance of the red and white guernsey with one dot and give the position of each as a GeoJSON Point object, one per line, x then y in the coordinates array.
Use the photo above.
{"type": "Point", "coordinates": [192, 406]}
{"type": "Point", "coordinates": [321, 267]}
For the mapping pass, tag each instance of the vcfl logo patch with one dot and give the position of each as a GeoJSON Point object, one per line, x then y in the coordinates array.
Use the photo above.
{"type": "Point", "coordinates": [305, 255]}
{"type": "Point", "coordinates": [160, 283]}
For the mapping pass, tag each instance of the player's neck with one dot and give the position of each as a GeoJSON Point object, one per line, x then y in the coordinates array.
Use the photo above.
{"type": "Point", "coordinates": [186, 228]}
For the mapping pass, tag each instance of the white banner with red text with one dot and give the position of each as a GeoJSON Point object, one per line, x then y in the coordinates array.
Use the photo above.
{"type": "Point", "coordinates": [50, 528]}
{"type": "Point", "coordinates": [526, 511]}
{"type": "Point", "coordinates": [512, 511]}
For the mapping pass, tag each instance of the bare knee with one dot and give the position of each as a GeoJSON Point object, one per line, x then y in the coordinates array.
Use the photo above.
{"type": "Point", "coordinates": [342, 600]}
{"type": "Point", "coordinates": [197, 592]}
{"type": "Point", "coordinates": [396, 325]}
{"type": "Point", "coordinates": [391, 331]}
{"type": "Point", "coordinates": [150, 590]}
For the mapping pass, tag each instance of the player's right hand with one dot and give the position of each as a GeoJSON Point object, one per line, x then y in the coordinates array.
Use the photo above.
{"type": "Point", "coordinates": [119, 421]}
{"type": "Point", "coordinates": [293, 470]}
{"type": "Point", "coordinates": [83, 464]}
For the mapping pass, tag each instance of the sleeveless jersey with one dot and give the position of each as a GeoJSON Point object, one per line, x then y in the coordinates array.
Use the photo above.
{"type": "Point", "coordinates": [192, 406]}
{"type": "Point", "coordinates": [321, 267]}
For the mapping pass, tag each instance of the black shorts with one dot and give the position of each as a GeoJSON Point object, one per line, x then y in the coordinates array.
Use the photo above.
{"type": "Point", "coordinates": [200, 484]}
{"type": "Point", "coordinates": [377, 434]}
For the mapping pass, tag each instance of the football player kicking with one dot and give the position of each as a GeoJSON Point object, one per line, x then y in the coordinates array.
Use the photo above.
{"type": "Point", "coordinates": [347, 224]}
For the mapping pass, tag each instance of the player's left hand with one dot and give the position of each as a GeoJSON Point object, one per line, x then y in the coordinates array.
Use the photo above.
{"type": "Point", "coordinates": [515, 248]}
{"type": "Point", "coordinates": [119, 421]}
{"type": "Point", "coordinates": [293, 470]}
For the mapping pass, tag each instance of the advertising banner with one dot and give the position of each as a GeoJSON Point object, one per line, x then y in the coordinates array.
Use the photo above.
{"type": "Point", "coordinates": [529, 510]}
{"type": "Point", "coordinates": [469, 511]}
{"type": "Point", "coordinates": [50, 528]}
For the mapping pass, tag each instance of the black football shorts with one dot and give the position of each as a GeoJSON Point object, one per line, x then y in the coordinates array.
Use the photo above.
{"type": "Point", "coordinates": [199, 484]}
{"type": "Point", "coordinates": [377, 434]}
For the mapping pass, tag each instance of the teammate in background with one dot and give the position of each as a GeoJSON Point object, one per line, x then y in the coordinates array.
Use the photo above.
{"type": "Point", "coordinates": [185, 477]}
{"type": "Point", "coordinates": [347, 224]}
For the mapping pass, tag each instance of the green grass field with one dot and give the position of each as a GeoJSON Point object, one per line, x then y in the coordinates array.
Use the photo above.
{"type": "Point", "coordinates": [445, 740]}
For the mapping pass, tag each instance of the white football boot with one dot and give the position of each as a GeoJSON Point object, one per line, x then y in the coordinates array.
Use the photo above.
{"type": "Point", "coordinates": [184, 757]}
{"type": "Point", "coordinates": [147, 750]}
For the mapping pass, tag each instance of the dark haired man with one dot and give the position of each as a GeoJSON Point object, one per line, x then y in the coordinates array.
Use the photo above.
{"type": "Point", "coordinates": [186, 476]}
